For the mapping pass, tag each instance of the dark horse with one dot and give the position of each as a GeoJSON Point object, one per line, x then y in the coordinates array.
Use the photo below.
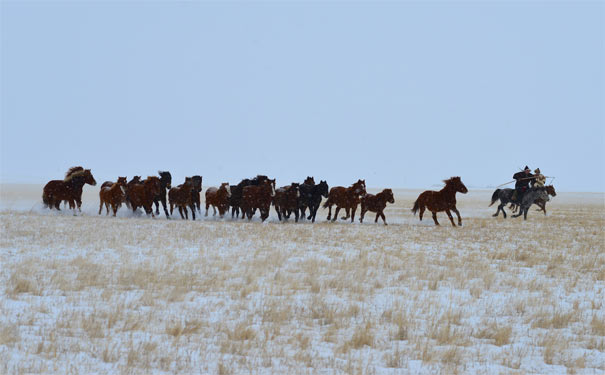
{"type": "Point", "coordinates": [197, 189]}
{"type": "Point", "coordinates": [376, 203]}
{"type": "Point", "coordinates": [310, 196]}
{"type": "Point", "coordinates": [237, 192]}
{"type": "Point", "coordinates": [165, 181]}
{"type": "Point", "coordinates": [258, 196]}
{"type": "Point", "coordinates": [182, 197]}
{"type": "Point", "coordinates": [142, 195]}
{"type": "Point", "coordinates": [347, 198]}
{"type": "Point", "coordinates": [69, 189]}
{"type": "Point", "coordinates": [550, 190]}
{"type": "Point", "coordinates": [529, 198]}
{"type": "Point", "coordinates": [286, 201]}
{"type": "Point", "coordinates": [442, 200]}
{"type": "Point", "coordinates": [112, 194]}
{"type": "Point", "coordinates": [218, 198]}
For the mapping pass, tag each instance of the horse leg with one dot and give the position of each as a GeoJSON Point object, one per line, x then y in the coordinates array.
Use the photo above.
{"type": "Point", "coordinates": [457, 214]}
{"type": "Point", "coordinates": [435, 217]}
{"type": "Point", "coordinates": [384, 219]}
{"type": "Point", "coordinates": [214, 210]}
{"type": "Point", "coordinates": [165, 208]}
{"type": "Point", "coordinates": [192, 206]}
{"type": "Point", "coordinates": [422, 208]}
{"type": "Point", "coordinates": [353, 209]}
{"type": "Point", "coordinates": [115, 209]}
{"type": "Point", "coordinates": [157, 206]}
{"type": "Point", "coordinates": [100, 207]}
{"type": "Point", "coordinates": [296, 215]}
{"type": "Point", "coordinates": [335, 213]}
{"type": "Point", "coordinates": [329, 213]}
{"type": "Point", "coordinates": [362, 214]}
{"type": "Point", "coordinates": [347, 214]}
{"type": "Point", "coordinates": [449, 214]}
{"type": "Point", "coordinates": [207, 205]}
{"type": "Point", "coordinates": [106, 208]}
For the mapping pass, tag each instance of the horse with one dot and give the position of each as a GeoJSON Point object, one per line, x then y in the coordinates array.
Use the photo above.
{"type": "Point", "coordinates": [286, 201]}
{"type": "Point", "coordinates": [347, 198]}
{"type": "Point", "coordinates": [310, 196]}
{"type": "Point", "coordinates": [442, 200]}
{"type": "Point", "coordinates": [237, 192]}
{"type": "Point", "coordinates": [530, 198]}
{"type": "Point", "coordinates": [218, 198]}
{"type": "Point", "coordinates": [68, 189]}
{"type": "Point", "coordinates": [258, 196]}
{"type": "Point", "coordinates": [182, 197]}
{"type": "Point", "coordinates": [376, 203]}
{"type": "Point", "coordinates": [112, 195]}
{"type": "Point", "coordinates": [550, 190]}
{"type": "Point", "coordinates": [197, 189]}
{"type": "Point", "coordinates": [143, 194]}
{"type": "Point", "coordinates": [165, 181]}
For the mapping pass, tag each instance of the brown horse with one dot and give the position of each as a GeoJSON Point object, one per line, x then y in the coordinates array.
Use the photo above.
{"type": "Point", "coordinates": [113, 195]}
{"type": "Point", "coordinates": [142, 195]}
{"type": "Point", "coordinates": [218, 198]}
{"type": "Point", "coordinates": [550, 190]}
{"type": "Point", "coordinates": [376, 203]}
{"type": "Point", "coordinates": [286, 201]}
{"type": "Point", "coordinates": [182, 197]}
{"type": "Point", "coordinates": [69, 189]}
{"type": "Point", "coordinates": [258, 196]}
{"type": "Point", "coordinates": [442, 200]}
{"type": "Point", "coordinates": [347, 198]}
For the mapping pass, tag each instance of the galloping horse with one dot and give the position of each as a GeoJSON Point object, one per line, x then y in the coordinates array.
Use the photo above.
{"type": "Point", "coordinates": [197, 189]}
{"type": "Point", "coordinates": [69, 189]}
{"type": "Point", "coordinates": [505, 196]}
{"type": "Point", "coordinates": [347, 198]}
{"type": "Point", "coordinates": [310, 196]}
{"type": "Point", "coordinates": [142, 195]}
{"type": "Point", "coordinates": [165, 181]}
{"type": "Point", "coordinates": [258, 196]}
{"type": "Point", "coordinates": [112, 195]}
{"type": "Point", "coordinates": [182, 197]}
{"type": "Point", "coordinates": [286, 201]}
{"type": "Point", "coordinates": [550, 190]}
{"type": "Point", "coordinates": [218, 198]}
{"type": "Point", "coordinates": [237, 192]}
{"type": "Point", "coordinates": [529, 198]}
{"type": "Point", "coordinates": [376, 203]}
{"type": "Point", "coordinates": [442, 200]}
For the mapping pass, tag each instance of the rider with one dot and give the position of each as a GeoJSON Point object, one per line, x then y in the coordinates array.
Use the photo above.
{"type": "Point", "coordinates": [539, 179]}
{"type": "Point", "coordinates": [522, 183]}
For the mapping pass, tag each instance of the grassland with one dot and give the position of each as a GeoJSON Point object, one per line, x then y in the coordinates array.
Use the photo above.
{"type": "Point", "coordinates": [95, 294]}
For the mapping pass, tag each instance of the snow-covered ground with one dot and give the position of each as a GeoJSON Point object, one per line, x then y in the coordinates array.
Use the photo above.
{"type": "Point", "coordinates": [97, 294]}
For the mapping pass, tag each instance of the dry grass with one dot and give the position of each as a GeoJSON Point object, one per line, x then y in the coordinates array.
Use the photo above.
{"type": "Point", "coordinates": [136, 295]}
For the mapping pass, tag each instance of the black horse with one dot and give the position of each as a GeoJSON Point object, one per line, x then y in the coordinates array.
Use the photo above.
{"type": "Point", "coordinates": [195, 193]}
{"type": "Point", "coordinates": [165, 181]}
{"type": "Point", "coordinates": [505, 196]}
{"type": "Point", "coordinates": [310, 196]}
{"type": "Point", "coordinates": [237, 192]}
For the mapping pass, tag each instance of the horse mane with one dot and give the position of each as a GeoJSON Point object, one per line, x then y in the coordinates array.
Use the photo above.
{"type": "Point", "coordinates": [451, 179]}
{"type": "Point", "coordinates": [71, 171]}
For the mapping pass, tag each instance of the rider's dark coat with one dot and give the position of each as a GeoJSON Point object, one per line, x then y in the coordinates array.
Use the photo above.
{"type": "Point", "coordinates": [523, 180]}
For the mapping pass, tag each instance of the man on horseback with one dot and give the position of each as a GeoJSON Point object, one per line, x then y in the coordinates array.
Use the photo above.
{"type": "Point", "coordinates": [522, 179]}
{"type": "Point", "coordinates": [539, 179]}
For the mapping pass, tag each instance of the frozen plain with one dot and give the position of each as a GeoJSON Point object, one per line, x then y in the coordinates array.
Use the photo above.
{"type": "Point", "coordinates": [96, 294]}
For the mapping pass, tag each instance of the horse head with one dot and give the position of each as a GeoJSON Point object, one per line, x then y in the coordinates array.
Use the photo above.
{"type": "Point", "coordinates": [323, 188]}
{"type": "Point", "coordinates": [88, 178]}
{"type": "Point", "coordinates": [550, 190]}
{"type": "Point", "coordinates": [197, 183]}
{"type": "Point", "coordinates": [295, 186]}
{"type": "Point", "coordinates": [225, 186]}
{"type": "Point", "coordinates": [360, 187]}
{"type": "Point", "coordinates": [456, 184]}
{"type": "Point", "coordinates": [389, 195]}
{"type": "Point", "coordinates": [309, 181]}
{"type": "Point", "coordinates": [154, 185]}
{"type": "Point", "coordinates": [122, 183]}
{"type": "Point", "coordinates": [165, 179]}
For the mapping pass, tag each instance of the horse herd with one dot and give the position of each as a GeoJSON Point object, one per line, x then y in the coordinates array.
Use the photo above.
{"type": "Point", "coordinates": [259, 193]}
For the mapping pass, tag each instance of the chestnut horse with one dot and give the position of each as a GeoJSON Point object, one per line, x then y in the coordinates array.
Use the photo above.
{"type": "Point", "coordinates": [442, 200]}
{"type": "Point", "coordinates": [112, 195]}
{"type": "Point", "coordinates": [258, 196]}
{"type": "Point", "coordinates": [218, 198]}
{"type": "Point", "coordinates": [69, 189]}
{"type": "Point", "coordinates": [376, 203]}
{"type": "Point", "coordinates": [182, 197]}
{"type": "Point", "coordinates": [286, 201]}
{"type": "Point", "coordinates": [142, 195]}
{"type": "Point", "coordinates": [237, 191]}
{"type": "Point", "coordinates": [347, 198]}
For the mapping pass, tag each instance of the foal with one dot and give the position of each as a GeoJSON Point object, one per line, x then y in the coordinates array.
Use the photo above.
{"type": "Point", "coordinates": [181, 196]}
{"type": "Point", "coordinates": [218, 198]}
{"type": "Point", "coordinates": [376, 203]}
{"type": "Point", "coordinates": [112, 195]}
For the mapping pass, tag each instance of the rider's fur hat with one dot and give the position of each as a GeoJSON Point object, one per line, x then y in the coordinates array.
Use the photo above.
{"type": "Point", "coordinates": [537, 170]}
{"type": "Point", "coordinates": [526, 168]}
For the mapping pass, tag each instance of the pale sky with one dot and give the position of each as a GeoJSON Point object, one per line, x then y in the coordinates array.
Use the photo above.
{"type": "Point", "coordinates": [403, 94]}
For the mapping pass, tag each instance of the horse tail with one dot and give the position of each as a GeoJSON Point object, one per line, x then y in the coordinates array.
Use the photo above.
{"type": "Point", "coordinates": [46, 200]}
{"type": "Point", "coordinates": [495, 197]}
{"type": "Point", "coordinates": [416, 207]}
